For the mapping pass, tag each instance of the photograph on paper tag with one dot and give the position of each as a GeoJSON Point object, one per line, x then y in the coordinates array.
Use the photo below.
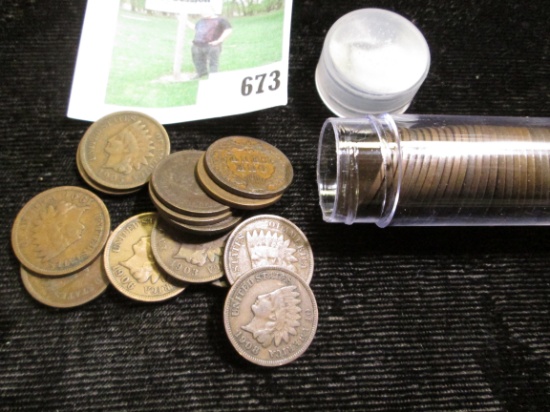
{"type": "Point", "coordinates": [181, 60]}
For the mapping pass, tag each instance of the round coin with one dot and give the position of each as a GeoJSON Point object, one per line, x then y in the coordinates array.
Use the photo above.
{"type": "Point", "coordinates": [130, 264]}
{"type": "Point", "coordinates": [248, 167]}
{"type": "Point", "coordinates": [88, 180]}
{"type": "Point", "coordinates": [187, 257]}
{"type": "Point", "coordinates": [67, 291]}
{"type": "Point", "coordinates": [228, 198]}
{"type": "Point", "coordinates": [60, 231]}
{"type": "Point", "coordinates": [121, 150]}
{"type": "Point", "coordinates": [267, 240]}
{"type": "Point", "coordinates": [270, 316]}
{"type": "Point", "coordinates": [173, 181]}
{"type": "Point", "coordinates": [168, 213]}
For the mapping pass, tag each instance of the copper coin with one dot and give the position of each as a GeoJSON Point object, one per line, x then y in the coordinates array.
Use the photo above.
{"type": "Point", "coordinates": [185, 218]}
{"type": "Point", "coordinates": [89, 181]}
{"type": "Point", "coordinates": [267, 240]}
{"type": "Point", "coordinates": [130, 264]}
{"type": "Point", "coordinates": [121, 150]}
{"type": "Point", "coordinates": [248, 167]}
{"type": "Point", "coordinates": [187, 257]}
{"type": "Point", "coordinates": [213, 229]}
{"type": "Point", "coordinates": [228, 198]}
{"type": "Point", "coordinates": [173, 181]}
{"type": "Point", "coordinates": [67, 291]}
{"type": "Point", "coordinates": [60, 231]}
{"type": "Point", "coordinates": [270, 316]}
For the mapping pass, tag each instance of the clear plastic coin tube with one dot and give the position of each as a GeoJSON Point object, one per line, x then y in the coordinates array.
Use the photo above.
{"type": "Point", "coordinates": [433, 170]}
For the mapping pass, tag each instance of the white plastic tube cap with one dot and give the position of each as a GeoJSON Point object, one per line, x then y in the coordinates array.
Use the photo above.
{"type": "Point", "coordinates": [373, 61]}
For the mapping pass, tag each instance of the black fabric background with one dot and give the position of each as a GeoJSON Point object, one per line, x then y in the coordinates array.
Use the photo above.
{"type": "Point", "coordinates": [427, 319]}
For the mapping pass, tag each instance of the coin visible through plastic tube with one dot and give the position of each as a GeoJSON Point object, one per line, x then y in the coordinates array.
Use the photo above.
{"type": "Point", "coordinates": [270, 316]}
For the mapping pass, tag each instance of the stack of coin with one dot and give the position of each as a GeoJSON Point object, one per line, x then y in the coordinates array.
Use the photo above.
{"type": "Point", "coordinates": [244, 172]}
{"type": "Point", "coordinates": [182, 203]}
{"type": "Point", "coordinates": [470, 173]}
{"type": "Point", "coordinates": [58, 237]}
{"type": "Point", "coordinates": [118, 152]}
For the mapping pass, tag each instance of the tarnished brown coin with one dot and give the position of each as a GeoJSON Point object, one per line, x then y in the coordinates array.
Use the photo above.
{"type": "Point", "coordinates": [270, 316]}
{"type": "Point", "coordinates": [170, 214]}
{"type": "Point", "coordinates": [267, 240]}
{"type": "Point", "coordinates": [228, 198]}
{"type": "Point", "coordinates": [95, 185]}
{"type": "Point", "coordinates": [173, 182]}
{"type": "Point", "coordinates": [212, 229]}
{"type": "Point", "coordinates": [187, 257]}
{"type": "Point", "coordinates": [120, 150]}
{"type": "Point", "coordinates": [130, 264]}
{"type": "Point", "coordinates": [248, 167]}
{"type": "Point", "coordinates": [60, 231]}
{"type": "Point", "coordinates": [67, 291]}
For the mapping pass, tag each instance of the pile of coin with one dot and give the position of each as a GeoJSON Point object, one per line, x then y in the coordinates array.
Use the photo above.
{"type": "Point", "coordinates": [244, 172]}
{"type": "Point", "coordinates": [58, 237]}
{"type": "Point", "coordinates": [197, 236]}
{"type": "Point", "coordinates": [118, 152]}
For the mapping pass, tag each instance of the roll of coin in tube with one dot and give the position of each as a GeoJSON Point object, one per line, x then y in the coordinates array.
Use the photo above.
{"type": "Point", "coordinates": [373, 61]}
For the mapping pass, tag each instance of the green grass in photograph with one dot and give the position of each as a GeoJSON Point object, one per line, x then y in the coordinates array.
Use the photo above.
{"type": "Point", "coordinates": [143, 57]}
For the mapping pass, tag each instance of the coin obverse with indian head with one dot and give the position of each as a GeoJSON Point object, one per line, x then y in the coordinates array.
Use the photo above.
{"type": "Point", "coordinates": [270, 316]}
{"type": "Point", "coordinates": [60, 231]}
{"type": "Point", "coordinates": [130, 264]}
{"type": "Point", "coordinates": [121, 150]}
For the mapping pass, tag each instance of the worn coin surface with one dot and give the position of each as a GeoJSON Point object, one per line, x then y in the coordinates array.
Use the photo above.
{"type": "Point", "coordinates": [248, 166]}
{"type": "Point", "coordinates": [173, 182]}
{"type": "Point", "coordinates": [130, 264]}
{"type": "Point", "coordinates": [67, 291]}
{"type": "Point", "coordinates": [228, 198]}
{"type": "Point", "coordinates": [88, 180]}
{"type": "Point", "coordinates": [120, 150]}
{"type": "Point", "coordinates": [171, 214]}
{"type": "Point", "coordinates": [267, 240]}
{"type": "Point", "coordinates": [270, 316]}
{"type": "Point", "coordinates": [213, 229]}
{"type": "Point", "coordinates": [60, 231]}
{"type": "Point", "coordinates": [187, 257]}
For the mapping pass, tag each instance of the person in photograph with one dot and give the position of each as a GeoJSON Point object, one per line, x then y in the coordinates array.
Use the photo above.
{"type": "Point", "coordinates": [210, 32]}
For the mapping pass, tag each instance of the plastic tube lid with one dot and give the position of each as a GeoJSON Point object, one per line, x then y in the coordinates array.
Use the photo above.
{"type": "Point", "coordinates": [373, 61]}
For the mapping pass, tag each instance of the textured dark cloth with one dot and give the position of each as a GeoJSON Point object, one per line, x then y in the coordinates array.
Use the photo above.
{"type": "Point", "coordinates": [431, 319]}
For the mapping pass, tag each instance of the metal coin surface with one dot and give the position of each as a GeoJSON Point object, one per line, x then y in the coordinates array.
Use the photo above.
{"type": "Point", "coordinates": [67, 291]}
{"type": "Point", "coordinates": [213, 229]}
{"type": "Point", "coordinates": [88, 180]}
{"type": "Point", "coordinates": [60, 231]}
{"type": "Point", "coordinates": [130, 264]}
{"type": "Point", "coordinates": [174, 183]}
{"type": "Point", "coordinates": [270, 316]}
{"type": "Point", "coordinates": [248, 166]}
{"type": "Point", "coordinates": [267, 240]}
{"type": "Point", "coordinates": [185, 218]}
{"type": "Point", "coordinates": [121, 150]}
{"type": "Point", "coordinates": [228, 198]}
{"type": "Point", "coordinates": [187, 257]}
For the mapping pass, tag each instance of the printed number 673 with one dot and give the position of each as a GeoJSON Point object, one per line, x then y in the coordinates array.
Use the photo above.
{"type": "Point", "coordinates": [260, 82]}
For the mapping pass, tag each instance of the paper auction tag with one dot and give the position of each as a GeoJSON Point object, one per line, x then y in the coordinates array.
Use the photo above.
{"type": "Point", "coordinates": [181, 60]}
